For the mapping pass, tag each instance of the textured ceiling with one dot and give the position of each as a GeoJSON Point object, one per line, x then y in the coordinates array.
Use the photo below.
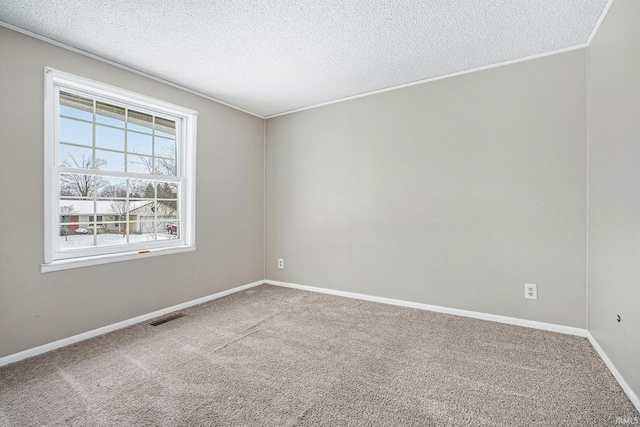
{"type": "Point", "coordinates": [274, 56]}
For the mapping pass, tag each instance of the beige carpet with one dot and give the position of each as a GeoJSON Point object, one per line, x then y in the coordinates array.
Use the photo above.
{"type": "Point", "coordinates": [282, 357]}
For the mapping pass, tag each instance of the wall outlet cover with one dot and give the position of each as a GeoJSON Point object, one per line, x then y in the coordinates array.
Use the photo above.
{"type": "Point", "coordinates": [530, 291]}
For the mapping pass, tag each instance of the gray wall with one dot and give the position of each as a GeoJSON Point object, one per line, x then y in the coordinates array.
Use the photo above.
{"type": "Point", "coordinates": [455, 193]}
{"type": "Point", "coordinates": [614, 158]}
{"type": "Point", "coordinates": [40, 308]}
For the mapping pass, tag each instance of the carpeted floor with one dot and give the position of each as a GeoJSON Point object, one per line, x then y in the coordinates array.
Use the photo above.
{"type": "Point", "coordinates": [272, 356]}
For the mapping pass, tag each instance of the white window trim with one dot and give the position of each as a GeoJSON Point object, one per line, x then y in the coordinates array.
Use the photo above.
{"type": "Point", "coordinates": [57, 79]}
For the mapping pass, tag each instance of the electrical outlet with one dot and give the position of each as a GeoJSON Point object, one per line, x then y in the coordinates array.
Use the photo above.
{"type": "Point", "coordinates": [281, 263]}
{"type": "Point", "coordinates": [530, 291]}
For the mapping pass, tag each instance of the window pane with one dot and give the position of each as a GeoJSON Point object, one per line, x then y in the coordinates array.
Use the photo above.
{"type": "Point", "coordinates": [139, 143]}
{"type": "Point", "coordinates": [72, 223]}
{"type": "Point", "coordinates": [107, 137]}
{"type": "Point", "coordinates": [168, 190]}
{"type": "Point", "coordinates": [140, 212]}
{"type": "Point", "coordinates": [146, 231]}
{"type": "Point", "coordinates": [124, 228]}
{"type": "Point", "coordinates": [173, 228]}
{"type": "Point", "coordinates": [165, 148]}
{"type": "Point", "coordinates": [140, 122]}
{"type": "Point", "coordinates": [143, 188]}
{"type": "Point", "coordinates": [109, 161]}
{"type": "Point", "coordinates": [96, 228]}
{"type": "Point", "coordinates": [165, 167]}
{"type": "Point", "coordinates": [111, 239]}
{"type": "Point", "coordinates": [76, 106]}
{"type": "Point", "coordinates": [111, 227]}
{"type": "Point", "coordinates": [168, 230]}
{"type": "Point", "coordinates": [136, 190]}
{"type": "Point", "coordinates": [76, 132]}
{"type": "Point", "coordinates": [165, 127]}
{"type": "Point", "coordinates": [155, 230]}
{"type": "Point", "coordinates": [142, 236]}
{"type": "Point", "coordinates": [146, 211]}
{"type": "Point", "coordinates": [72, 229]}
{"type": "Point", "coordinates": [117, 210]}
{"type": "Point", "coordinates": [80, 185]}
{"type": "Point", "coordinates": [68, 212]}
{"type": "Point", "coordinates": [76, 237]}
{"type": "Point", "coordinates": [110, 114]}
{"type": "Point", "coordinates": [113, 187]}
{"type": "Point", "coordinates": [96, 219]}
{"type": "Point", "coordinates": [76, 157]}
{"type": "Point", "coordinates": [139, 164]}
{"type": "Point", "coordinates": [166, 211]}
{"type": "Point", "coordinates": [137, 210]}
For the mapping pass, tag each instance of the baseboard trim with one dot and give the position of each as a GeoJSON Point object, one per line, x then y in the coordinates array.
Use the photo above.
{"type": "Point", "coordinates": [458, 312]}
{"type": "Point", "coordinates": [483, 316]}
{"type": "Point", "coordinates": [616, 374]}
{"type": "Point", "coordinates": [12, 358]}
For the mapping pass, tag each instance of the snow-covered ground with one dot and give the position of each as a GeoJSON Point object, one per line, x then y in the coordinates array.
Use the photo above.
{"type": "Point", "coordinates": [86, 240]}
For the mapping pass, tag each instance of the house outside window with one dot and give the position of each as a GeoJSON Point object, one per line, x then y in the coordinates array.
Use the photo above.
{"type": "Point", "coordinates": [97, 222]}
{"type": "Point", "coordinates": [119, 174]}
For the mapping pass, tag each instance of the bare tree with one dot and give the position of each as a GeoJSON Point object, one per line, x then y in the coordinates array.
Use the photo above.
{"type": "Point", "coordinates": [163, 164]}
{"type": "Point", "coordinates": [119, 209]}
{"type": "Point", "coordinates": [76, 184]}
{"type": "Point", "coordinates": [167, 166]}
{"type": "Point", "coordinates": [113, 190]}
{"type": "Point", "coordinates": [66, 211]}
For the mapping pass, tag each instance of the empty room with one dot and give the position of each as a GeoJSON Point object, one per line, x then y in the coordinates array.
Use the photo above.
{"type": "Point", "coordinates": [328, 213]}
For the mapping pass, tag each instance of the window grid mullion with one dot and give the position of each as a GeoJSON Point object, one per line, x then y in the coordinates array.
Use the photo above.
{"type": "Point", "coordinates": [155, 214]}
{"type": "Point", "coordinates": [123, 175]}
{"type": "Point", "coordinates": [126, 137]}
{"type": "Point", "coordinates": [153, 144]}
{"type": "Point", "coordinates": [93, 178]}
{"type": "Point", "coordinates": [127, 210]}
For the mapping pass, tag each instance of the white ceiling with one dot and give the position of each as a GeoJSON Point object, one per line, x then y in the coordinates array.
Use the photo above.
{"type": "Point", "coordinates": [275, 56]}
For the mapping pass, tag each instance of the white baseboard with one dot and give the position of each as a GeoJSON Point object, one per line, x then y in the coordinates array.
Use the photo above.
{"type": "Point", "coordinates": [484, 316]}
{"type": "Point", "coordinates": [465, 313]}
{"type": "Point", "coordinates": [12, 358]}
{"type": "Point", "coordinates": [632, 396]}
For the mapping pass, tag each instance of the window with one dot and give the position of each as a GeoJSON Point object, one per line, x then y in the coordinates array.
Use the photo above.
{"type": "Point", "coordinates": [98, 220]}
{"type": "Point", "coordinates": [119, 174]}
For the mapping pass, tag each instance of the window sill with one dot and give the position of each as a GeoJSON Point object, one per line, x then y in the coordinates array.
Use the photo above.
{"type": "Point", "coordinates": [67, 264]}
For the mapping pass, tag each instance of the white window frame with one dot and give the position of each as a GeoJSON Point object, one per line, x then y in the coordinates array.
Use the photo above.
{"type": "Point", "coordinates": [186, 122]}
